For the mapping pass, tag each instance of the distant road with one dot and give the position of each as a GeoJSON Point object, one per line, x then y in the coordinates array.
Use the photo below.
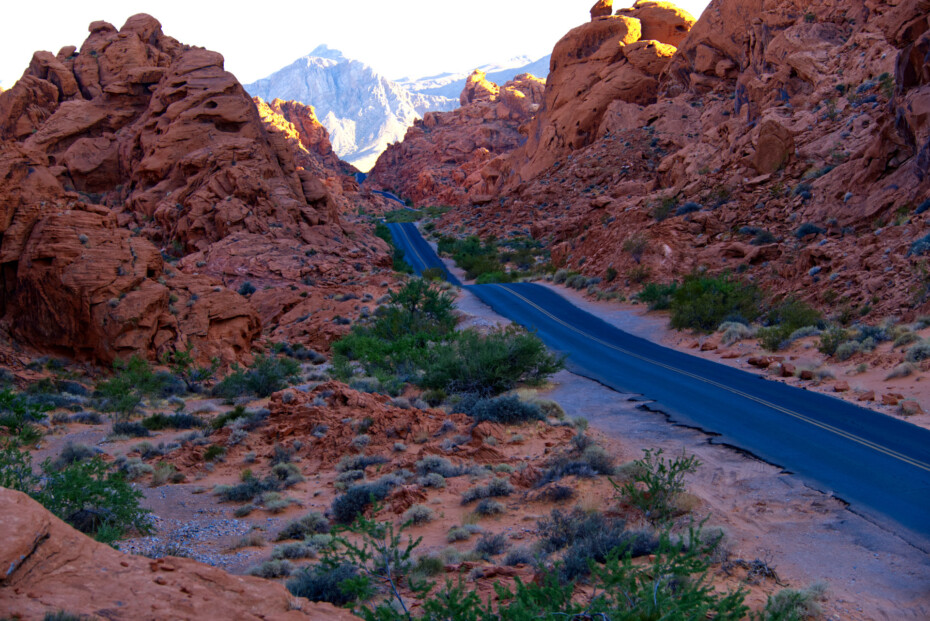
{"type": "Point", "coordinates": [879, 464]}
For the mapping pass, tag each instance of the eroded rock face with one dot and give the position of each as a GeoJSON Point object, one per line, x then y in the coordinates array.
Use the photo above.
{"type": "Point", "coordinates": [49, 567]}
{"type": "Point", "coordinates": [769, 116]}
{"type": "Point", "coordinates": [606, 60]}
{"type": "Point", "coordinates": [453, 158]}
{"type": "Point", "coordinates": [135, 150]}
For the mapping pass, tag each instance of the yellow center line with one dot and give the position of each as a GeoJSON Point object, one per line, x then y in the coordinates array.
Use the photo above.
{"type": "Point", "coordinates": [827, 427]}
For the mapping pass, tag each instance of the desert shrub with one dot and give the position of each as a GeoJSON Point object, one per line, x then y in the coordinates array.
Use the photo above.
{"type": "Point", "coordinates": [246, 289]}
{"type": "Point", "coordinates": [907, 338]}
{"type": "Point", "coordinates": [92, 498]}
{"type": "Point", "coordinates": [689, 207]}
{"type": "Point", "coordinates": [272, 569]}
{"type": "Point", "coordinates": [434, 464]}
{"type": "Point", "coordinates": [491, 544]}
{"type": "Point", "coordinates": [636, 245]}
{"type": "Point", "coordinates": [131, 429]}
{"type": "Point", "coordinates": [794, 315]}
{"type": "Point", "coordinates": [325, 584]}
{"type": "Point", "coordinates": [301, 528]}
{"type": "Point", "coordinates": [490, 364]}
{"type": "Point", "coordinates": [72, 454]}
{"type": "Point", "coordinates": [214, 452]}
{"type": "Point", "coordinates": [831, 339]}
{"type": "Point", "coordinates": [267, 375]}
{"type": "Point", "coordinates": [795, 605]}
{"type": "Point", "coordinates": [488, 507]}
{"type": "Point", "coordinates": [433, 480]}
{"type": "Point", "coordinates": [288, 473]}
{"type": "Point", "coordinates": [808, 228]}
{"type": "Point", "coordinates": [920, 246]}
{"type": "Point", "coordinates": [557, 493]}
{"type": "Point", "coordinates": [234, 414]}
{"type": "Point", "coordinates": [918, 352]}
{"type": "Point", "coordinates": [293, 551]}
{"type": "Point", "coordinates": [507, 410]}
{"type": "Point", "coordinates": [734, 331]}
{"type": "Point", "coordinates": [248, 489]}
{"type": "Point", "coordinates": [762, 238]}
{"type": "Point", "coordinates": [656, 482]}
{"type": "Point", "coordinates": [703, 303]}
{"type": "Point", "coordinates": [847, 350]}
{"type": "Point", "coordinates": [86, 418]}
{"type": "Point", "coordinates": [599, 545]}
{"type": "Point", "coordinates": [178, 420]}
{"type": "Point", "coordinates": [359, 462]}
{"type": "Point", "coordinates": [458, 533]}
{"type": "Point", "coordinates": [418, 514]}
{"type": "Point", "coordinates": [658, 297]}
{"type": "Point", "coordinates": [133, 380]}
{"type": "Point", "coordinates": [355, 501]}
{"type": "Point", "coordinates": [904, 369]}
{"type": "Point", "coordinates": [477, 258]}
{"type": "Point", "coordinates": [495, 488]}
{"type": "Point", "coordinates": [519, 556]}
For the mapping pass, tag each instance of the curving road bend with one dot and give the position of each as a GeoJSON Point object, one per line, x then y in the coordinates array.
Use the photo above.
{"type": "Point", "coordinates": [878, 464]}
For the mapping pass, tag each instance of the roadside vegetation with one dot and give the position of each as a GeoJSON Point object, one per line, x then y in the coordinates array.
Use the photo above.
{"type": "Point", "coordinates": [490, 261]}
{"type": "Point", "coordinates": [413, 340]}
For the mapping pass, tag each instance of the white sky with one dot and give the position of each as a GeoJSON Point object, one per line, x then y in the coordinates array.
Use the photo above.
{"type": "Point", "coordinates": [399, 38]}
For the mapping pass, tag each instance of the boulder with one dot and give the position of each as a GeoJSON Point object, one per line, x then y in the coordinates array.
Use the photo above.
{"type": "Point", "coordinates": [50, 567]}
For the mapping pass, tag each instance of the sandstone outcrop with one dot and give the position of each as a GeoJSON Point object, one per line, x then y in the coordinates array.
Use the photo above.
{"type": "Point", "coordinates": [117, 159]}
{"type": "Point", "coordinates": [602, 8]}
{"type": "Point", "coordinates": [453, 158]}
{"type": "Point", "coordinates": [49, 567]}
{"type": "Point", "coordinates": [789, 143]}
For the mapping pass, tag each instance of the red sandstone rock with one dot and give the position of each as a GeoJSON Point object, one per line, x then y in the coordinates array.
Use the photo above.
{"type": "Point", "coordinates": [50, 567]}
{"type": "Point", "coordinates": [788, 369]}
{"type": "Point", "coordinates": [602, 8]}
{"type": "Point", "coordinates": [911, 408]}
{"type": "Point", "coordinates": [137, 147]}
{"type": "Point", "coordinates": [806, 374]}
{"type": "Point", "coordinates": [453, 158]}
{"type": "Point", "coordinates": [841, 386]}
{"type": "Point", "coordinates": [868, 395]}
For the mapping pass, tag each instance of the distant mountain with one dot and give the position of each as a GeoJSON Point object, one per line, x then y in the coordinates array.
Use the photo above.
{"type": "Point", "coordinates": [451, 84]}
{"type": "Point", "coordinates": [363, 111]}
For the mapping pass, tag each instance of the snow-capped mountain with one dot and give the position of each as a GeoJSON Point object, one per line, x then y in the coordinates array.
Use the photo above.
{"type": "Point", "coordinates": [363, 111]}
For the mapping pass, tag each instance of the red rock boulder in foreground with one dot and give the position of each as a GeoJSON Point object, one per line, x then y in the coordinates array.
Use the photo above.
{"type": "Point", "coordinates": [50, 567]}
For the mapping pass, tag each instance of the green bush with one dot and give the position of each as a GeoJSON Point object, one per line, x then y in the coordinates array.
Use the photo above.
{"type": "Point", "coordinates": [507, 410]}
{"type": "Point", "coordinates": [134, 380]}
{"type": "Point", "coordinates": [490, 364]}
{"type": "Point", "coordinates": [703, 303]}
{"type": "Point", "coordinates": [267, 375]}
{"type": "Point", "coordinates": [658, 297]}
{"type": "Point", "coordinates": [325, 584]}
{"type": "Point", "coordinates": [312, 523]}
{"type": "Point", "coordinates": [831, 339]}
{"type": "Point", "coordinates": [91, 497]}
{"type": "Point", "coordinates": [17, 417]}
{"type": "Point", "coordinates": [349, 506]}
{"type": "Point", "coordinates": [656, 482]}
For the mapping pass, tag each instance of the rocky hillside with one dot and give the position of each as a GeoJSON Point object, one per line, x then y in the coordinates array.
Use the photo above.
{"type": "Point", "coordinates": [49, 566]}
{"type": "Point", "coordinates": [451, 84]}
{"type": "Point", "coordinates": [453, 158]}
{"type": "Point", "coordinates": [363, 111]}
{"type": "Point", "coordinates": [139, 180]}
{"type": "Point", "coordinates": [785, 141]}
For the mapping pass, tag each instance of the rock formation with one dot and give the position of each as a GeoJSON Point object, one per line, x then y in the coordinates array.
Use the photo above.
{"type": "Point", "coordinates": [49, 567]}
{"type": "Point", "coordinates": [121, 157]}
{"type": "Point", "coordinates": [452, 158]}
{"type": "Point", "coordinates": [363, 111]}
{"type": "Point", "coordinates": [788, 143]}
{"type": "Point", "coordinates": [602, 8]}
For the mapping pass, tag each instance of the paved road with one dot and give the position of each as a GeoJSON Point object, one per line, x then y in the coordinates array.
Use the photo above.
{"type": "Point", "coordinates": [879, 464]}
